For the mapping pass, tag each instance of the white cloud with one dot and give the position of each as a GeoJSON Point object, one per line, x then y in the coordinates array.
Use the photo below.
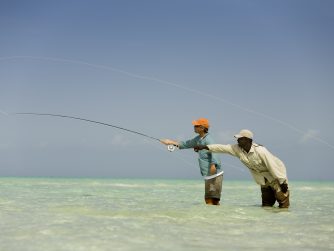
{"type": "Point", "coordinates": [4, 113]}
{"type": "Point", "coordinates": [309, 134]}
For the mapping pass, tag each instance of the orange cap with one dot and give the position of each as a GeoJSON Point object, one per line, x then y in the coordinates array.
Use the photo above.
{"type": "Point", "coordinates": [201, 122]}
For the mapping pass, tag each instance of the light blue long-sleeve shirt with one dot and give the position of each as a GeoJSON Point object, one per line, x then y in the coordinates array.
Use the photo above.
{"type": "Point", "coordinates": [205, 158]}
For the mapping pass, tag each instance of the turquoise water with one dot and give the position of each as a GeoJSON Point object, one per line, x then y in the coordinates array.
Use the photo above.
{"type": "Point", "coordinates": [110, 214]}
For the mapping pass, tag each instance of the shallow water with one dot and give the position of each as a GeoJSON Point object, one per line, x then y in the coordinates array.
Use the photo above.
{"type": "Point", "coordinates": [112, 214]}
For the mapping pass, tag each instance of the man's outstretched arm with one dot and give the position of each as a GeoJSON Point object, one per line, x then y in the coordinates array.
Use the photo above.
{"type": "Point", "coordinates": [218, 148]}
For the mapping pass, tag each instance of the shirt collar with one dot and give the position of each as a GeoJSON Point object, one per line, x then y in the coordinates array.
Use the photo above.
{"type": "Point", "coordinates": [251, 150]}
{"type": "Point", "coordinates": [204, 136]}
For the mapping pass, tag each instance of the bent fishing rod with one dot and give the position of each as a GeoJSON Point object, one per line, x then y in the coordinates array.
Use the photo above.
{"type": "Point", "coordinates": [169, 147]}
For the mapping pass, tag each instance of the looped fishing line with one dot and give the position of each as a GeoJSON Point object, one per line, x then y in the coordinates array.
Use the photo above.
{"type": "Point", "coordinates": [286, 124]}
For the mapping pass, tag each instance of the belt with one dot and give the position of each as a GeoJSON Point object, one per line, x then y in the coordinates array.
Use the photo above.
{"type": "Point", "coordinates": [213, 176]}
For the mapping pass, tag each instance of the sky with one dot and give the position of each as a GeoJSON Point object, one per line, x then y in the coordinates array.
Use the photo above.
{"type": "Point", "coordinates": [153, 67]}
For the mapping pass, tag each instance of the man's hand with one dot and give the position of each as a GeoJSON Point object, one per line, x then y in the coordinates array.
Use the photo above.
{"type": "Point", "coordinates": [168, 142]}
{"type": "Point", "coordinates": [200, 147]}
{"type": "Point", "coordinates": [284, 187]}
{"type": "Point", "coordinates": [213, 169]}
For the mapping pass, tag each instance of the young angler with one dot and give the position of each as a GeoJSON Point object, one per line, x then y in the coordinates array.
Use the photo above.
{"type": "Point", "coordinates": [267, 170]}
{"type": "Point", "coordinates": [210, 165]}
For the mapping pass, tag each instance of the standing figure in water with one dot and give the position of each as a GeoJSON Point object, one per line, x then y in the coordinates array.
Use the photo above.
{"type": "Point", "coordinates": [267, 170]}
{"type": "Point", "coordinates": [210, 165]}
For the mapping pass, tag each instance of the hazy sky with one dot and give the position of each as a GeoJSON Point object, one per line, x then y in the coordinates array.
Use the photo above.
{"type": "Point", "coordinates": [154, 66]}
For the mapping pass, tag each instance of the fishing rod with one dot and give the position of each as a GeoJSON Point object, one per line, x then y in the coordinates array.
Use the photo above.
{"type": "Point", "coordinates": [169, 147]}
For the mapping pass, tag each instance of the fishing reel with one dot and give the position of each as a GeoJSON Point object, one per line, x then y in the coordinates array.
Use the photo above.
{"type": "Point", "coordinates": [171, 148]}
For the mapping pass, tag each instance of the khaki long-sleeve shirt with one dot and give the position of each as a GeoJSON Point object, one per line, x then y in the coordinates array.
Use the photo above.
{"type": "Point", "coordinates": [261, 163]}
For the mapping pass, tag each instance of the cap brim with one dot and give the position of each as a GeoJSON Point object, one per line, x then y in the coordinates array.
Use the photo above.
{"type": "Point", "coordinates": [196, 123]}
{"type": "Point", "coordinates": [238, 136]}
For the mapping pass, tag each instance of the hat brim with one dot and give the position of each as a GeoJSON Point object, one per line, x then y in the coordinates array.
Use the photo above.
{"type": "Point", "coordinates": [238, 136]}
{"type": "Point", "coordinates": [195, 123]}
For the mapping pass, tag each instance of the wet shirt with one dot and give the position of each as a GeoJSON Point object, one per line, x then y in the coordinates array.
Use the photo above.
{"type": "Point", "coordinates": [205, 158]}
{"type": "Point", "coordinates": [261, 163]}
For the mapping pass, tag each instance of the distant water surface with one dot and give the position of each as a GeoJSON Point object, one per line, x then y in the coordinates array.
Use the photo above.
{"type": "Point", "coordinates": [112, 214]}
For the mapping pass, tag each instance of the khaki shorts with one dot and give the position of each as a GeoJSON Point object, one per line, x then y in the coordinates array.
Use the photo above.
{"type": "Point", "coordinates": [213, 188]}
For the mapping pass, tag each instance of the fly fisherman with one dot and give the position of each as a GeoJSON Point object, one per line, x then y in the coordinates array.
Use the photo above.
{"type": "Point", "coordinates": [267, 170]}
{"type": "Point", "coordinates": [210, 165]}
